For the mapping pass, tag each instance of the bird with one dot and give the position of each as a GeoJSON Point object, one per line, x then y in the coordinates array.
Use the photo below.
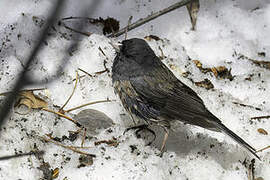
{"type": "Point", "coordinates": [149, 91]}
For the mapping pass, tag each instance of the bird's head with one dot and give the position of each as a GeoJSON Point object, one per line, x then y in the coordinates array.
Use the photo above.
{"type": "Point", "coordinates": [136, 48]}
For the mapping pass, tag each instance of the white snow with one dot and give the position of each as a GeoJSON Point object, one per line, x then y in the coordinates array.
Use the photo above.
{"type": "Point", "coordinates": [223, 28]}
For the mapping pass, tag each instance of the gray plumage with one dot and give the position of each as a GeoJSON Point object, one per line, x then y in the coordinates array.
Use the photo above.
{"type": "Point", "coordinates": [149, 90]}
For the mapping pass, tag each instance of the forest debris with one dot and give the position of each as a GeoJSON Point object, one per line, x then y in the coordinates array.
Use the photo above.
{"type": "Point", "coordinates": [260, 117]}
{"type": "Point", "coordinates": [206, 83]}
{"type": "Point", "coordinates": [85, 161]}
{"type": "Point", "coordinates": [261, 54]}
{"type": "Point", "coordinates": [219, 71]}
{"type": "Point", "coordinates": [111, 142]}
{"type": "Point", "coordinates": [193, 8]}
{"type": "Point", "coordinates": [72, 148]}
{"type": "Point", "coordinates": [245, 105]}
{"type": "Point", "coordinates": [262, 131]}
{"type": "Point", "coordinates": [55, 173]}
{"type": "Point", "coordinates": [260, 150]}
{"type": "Point", "coordinates": [38, 21]}
{"type": "Point", "coordinates": [110, 25]}
{"type": "Point", "coordinates": [263, 64]}
{"type": "Point", "coordinates": [21, 155]}
{"type": "Point", "coordinates": [152, 37]}
{"type": "Point", "coordinates": [30, 100]}
{"type": "Point", "coordinates": [45, 168]}
{"type": "Point", "coordinates": [150, 17]}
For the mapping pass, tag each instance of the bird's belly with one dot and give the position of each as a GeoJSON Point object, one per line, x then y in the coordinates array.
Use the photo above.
{"type": "Point", "coordinates": [132, 101]}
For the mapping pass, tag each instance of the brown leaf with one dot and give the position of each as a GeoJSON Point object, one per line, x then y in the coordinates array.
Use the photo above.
{"type": "Point", "coordinates": [222, 72]}
{"type": "Point", "coordinates": [206, 83]}
{"type": "Point", "coordinates": [29, 99]}
{"type": "Point", "coordinates": [193, 8]}
{"type": "Point", "coordinates": [262, 131]}
{"type": "Point", "coordinates": [152, 37]}
{"type": "Point", "coordinates": [219, 71]}
{"type": "Point", "coordinates": [55, 173]}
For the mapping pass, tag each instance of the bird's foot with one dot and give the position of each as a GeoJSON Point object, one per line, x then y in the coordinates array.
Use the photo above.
{"type": "Point", "coordinates": [140, 128]}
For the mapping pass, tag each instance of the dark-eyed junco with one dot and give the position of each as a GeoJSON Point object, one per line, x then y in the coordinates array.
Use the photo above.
{"type": "Point", "coordinates": [150, 91]}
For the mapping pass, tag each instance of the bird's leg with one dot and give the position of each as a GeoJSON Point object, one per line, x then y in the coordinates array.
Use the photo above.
{"type": "Point", "coordinates": [166, 135]}
{"type": "Point", "coordinates": [141, 127]}
{"type": "Point", "coordinates": [166, 128]}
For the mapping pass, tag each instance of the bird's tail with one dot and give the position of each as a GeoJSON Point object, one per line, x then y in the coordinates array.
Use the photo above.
{"type": "Point", "coordinates": [239, 140]}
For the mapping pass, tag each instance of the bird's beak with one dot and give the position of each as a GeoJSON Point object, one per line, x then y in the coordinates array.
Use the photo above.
{"type": "Point", "coordinates": [116, 46]}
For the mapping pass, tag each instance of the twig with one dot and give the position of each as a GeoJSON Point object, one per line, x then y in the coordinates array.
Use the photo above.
{"type": "Point", "coordinates": [151, 17]}
{"type": "Point", "coordinates": [105, 61]}
{"type": "Point", "coordinates": [95, 102]}
{"type": "Point", "coordinates": [245, 105]}
{"type": "Point", "coordinates": [129, 22]}
{"type": "Point", "coordinates": [260, 117]}
{"type": "Point", "coordinates": [64, 116]}
{"type": "Point", "coordinates": [85, 72]}
{"type": "Point", "coordinates": [75, 86]}
{"type": "Point", "coordinates": [21, 155]}
{"type": "Point", "coordinates": [67, 147]}
{"type": "Point", "coordinates": [77, 31]}
{"type": "Point", "coordinates": [267, 147]}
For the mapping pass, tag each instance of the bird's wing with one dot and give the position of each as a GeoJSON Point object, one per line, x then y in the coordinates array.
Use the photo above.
{"type": "Point", "coordinates": [160, 89]}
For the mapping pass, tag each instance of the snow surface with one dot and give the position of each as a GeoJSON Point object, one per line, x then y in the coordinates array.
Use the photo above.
{"type": "Point", "coordinates": [223, 28]}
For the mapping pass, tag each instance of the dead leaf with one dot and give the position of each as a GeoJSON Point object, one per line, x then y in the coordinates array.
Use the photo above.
{"type": "Point", "coordinates": [219, 71]}
{"type": "Point", "coordinates": [262, 131]}
{"type": "Point", "coordinates": [29, 99]}
{"type": "Point", "coordinates": [193, 8]}
{"type": "Point", "coordinates": [55, 173]}
{"type": "Point", "coordinates": [152, 37]}
{"type": "Point", "coordinates": [206, 83]}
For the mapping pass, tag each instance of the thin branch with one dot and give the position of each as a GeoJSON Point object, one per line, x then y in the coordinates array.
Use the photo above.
{"type": "Point", "coordinates": [151, 17]}
{"type": "Point", "coordinates": [129, 22]}
{"type": "Point", "coordinates": [245, 105]}
{"type": "Point", "coordinates": [77, 31]}
{"type": "Point", "coordinates": [260, 117]}
{"type": "Point", "coordinates": [87, 104]}
{"type": "Point", "coordinates": [21, 155]}
{"type": "Point", "coordinates": [67, 147]}
{"type": "Point", "coordinates": [75, 86]}
{"type": "Point", "coordinates": [85, 72]}
{"type": "Point", "coordinates": [260, 150]}
{"type": "Point", "coordinates": [64, 116]}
